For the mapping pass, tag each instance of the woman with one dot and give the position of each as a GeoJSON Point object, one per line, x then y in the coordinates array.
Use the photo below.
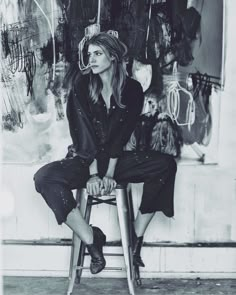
{"type": "Point", "coordinates": [103, 108]}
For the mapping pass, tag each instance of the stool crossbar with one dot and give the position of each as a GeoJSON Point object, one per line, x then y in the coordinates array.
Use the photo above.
{"type": "Point", "coordinates": [123, 202]}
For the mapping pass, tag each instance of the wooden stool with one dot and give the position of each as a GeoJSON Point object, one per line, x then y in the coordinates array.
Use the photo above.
{"type": "Point", "coordinates": [123, 202]}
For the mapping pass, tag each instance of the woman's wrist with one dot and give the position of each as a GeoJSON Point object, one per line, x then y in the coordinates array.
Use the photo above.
{"type": "Point", "coordinates": [93, 175]}
{"type": "Point", "coordinates": [108, 175]}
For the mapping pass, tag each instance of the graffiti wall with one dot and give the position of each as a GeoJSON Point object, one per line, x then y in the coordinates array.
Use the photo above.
{"type": "Point", "coordinates": [39, 62]}
{"type": "Point", "coordinates": [33, 105]}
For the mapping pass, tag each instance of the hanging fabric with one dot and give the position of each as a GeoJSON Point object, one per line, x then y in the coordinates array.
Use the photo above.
{"type": "Point", "coordinates": [155, 131]}
{"type": "Point", "coordinates": [158, 34]}
{"type": "Point", "coordinates": [129, 18]}
{"type": "Point", "coordinates": [166, 137]}
{"type": "Point", "coordinates": [185, 23]}
{"type": "Point", "coordinates": [156, 134]}
{"type": "Point", "coordinates": [142, 73]}
{"type": "Point", "coordinates": [174, 9]}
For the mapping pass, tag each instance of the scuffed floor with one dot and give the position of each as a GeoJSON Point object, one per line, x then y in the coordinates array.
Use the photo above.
{"type": "Point", "coordinates": [58, 286]}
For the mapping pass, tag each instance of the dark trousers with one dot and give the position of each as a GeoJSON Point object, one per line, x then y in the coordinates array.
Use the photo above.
{"type": "Point", "coordinates": [55, 181]}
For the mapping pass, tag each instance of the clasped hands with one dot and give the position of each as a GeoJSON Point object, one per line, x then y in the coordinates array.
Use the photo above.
{"type": "Point", "coordinates": [97, 186]}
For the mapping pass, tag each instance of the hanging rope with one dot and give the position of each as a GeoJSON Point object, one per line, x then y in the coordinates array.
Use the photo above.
{"type": "Point", "coordinates": [99, 12]}
{"type": "Point", "coordinates": [148, 28]}
{"type": "Point", "coordinates": [53, 41]}
{"type": "Point", "coordinates": [89, 32]}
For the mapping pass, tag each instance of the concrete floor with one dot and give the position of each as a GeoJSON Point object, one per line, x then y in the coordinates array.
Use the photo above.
{"type": "Point", "coordinates": [58, 286]}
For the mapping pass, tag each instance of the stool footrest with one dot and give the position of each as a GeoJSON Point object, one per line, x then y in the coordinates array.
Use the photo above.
{"type": "Point", "coordinates": [109, 254]}
{"type": "Point", "coordinates": [106, 268]}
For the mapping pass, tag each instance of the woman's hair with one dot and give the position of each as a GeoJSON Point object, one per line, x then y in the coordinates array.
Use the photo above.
{"type": "Point", "coordinates": [118, 50]}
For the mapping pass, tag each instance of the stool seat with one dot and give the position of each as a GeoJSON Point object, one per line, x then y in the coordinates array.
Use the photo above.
{"type": "Point", "coordinates": [123, 202]}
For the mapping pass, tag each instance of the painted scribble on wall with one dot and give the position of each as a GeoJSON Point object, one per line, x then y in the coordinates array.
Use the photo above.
{"type": "Point", "coordinates": [33, 113]}
{"type": "Point", "coordinates": [39, 62]}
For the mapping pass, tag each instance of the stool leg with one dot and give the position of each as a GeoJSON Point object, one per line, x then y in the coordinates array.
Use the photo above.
{"type": "Point", "coordinates": [82, 199]}
{"type": "Point", "coordinates": [72, 256]}
{"type": "Point", "coordinates": [73, 264]}
{"type": "Point", "coordinates": [83, 246]}
{"type": "Point", "coordinates": [122, 208]}
{"type": "Point", "coordinates": [131, 220]}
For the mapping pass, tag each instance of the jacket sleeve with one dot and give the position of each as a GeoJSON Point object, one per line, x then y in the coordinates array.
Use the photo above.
{"type": "Point", "coordinates": [134, 105]}
{"type": "Point", "coordinates": [80, 125]}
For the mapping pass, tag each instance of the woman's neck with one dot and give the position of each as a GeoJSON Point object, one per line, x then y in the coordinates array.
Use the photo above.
{"type": "Point", "coordinates": [106, 87]}
{"type": "Point", "coordinates": [106, 79]}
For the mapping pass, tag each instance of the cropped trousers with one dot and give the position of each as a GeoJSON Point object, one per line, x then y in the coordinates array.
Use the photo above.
{"type": "Point", "coordinates": [56, 180]}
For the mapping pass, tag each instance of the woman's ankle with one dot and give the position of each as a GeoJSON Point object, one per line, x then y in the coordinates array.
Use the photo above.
{"type": "Point", "coordinates": [89, 236]}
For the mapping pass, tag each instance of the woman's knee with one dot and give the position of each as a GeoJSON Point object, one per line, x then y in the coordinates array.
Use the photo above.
{"type": "Point", "coordinates": [40, 178]}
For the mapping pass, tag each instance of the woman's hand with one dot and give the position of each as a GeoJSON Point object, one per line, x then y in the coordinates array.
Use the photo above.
{"type": "Point", "coordinates": [108, 184]}
{"type": "Point", "coordinates": [94, 186]}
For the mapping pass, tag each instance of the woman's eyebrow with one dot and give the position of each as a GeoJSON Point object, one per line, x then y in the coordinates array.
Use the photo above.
{"type": "Point", "coordinates": [95, 51]}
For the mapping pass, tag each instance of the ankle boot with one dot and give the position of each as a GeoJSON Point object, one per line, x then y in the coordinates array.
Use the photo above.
{"type": "Point", "coordinates": [98, 261]}
{"type": "Point", "coordinates": [136, 252]}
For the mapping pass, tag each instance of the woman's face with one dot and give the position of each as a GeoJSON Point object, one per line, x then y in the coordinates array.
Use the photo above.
{"type": "Point", "coordinates": [99, 61]}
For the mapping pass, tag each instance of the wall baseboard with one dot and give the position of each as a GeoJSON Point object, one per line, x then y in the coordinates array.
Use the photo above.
{"type": "Point", "coordinates": [68, 242]}
{"type": "Point", "coordinates": [160, 261]}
